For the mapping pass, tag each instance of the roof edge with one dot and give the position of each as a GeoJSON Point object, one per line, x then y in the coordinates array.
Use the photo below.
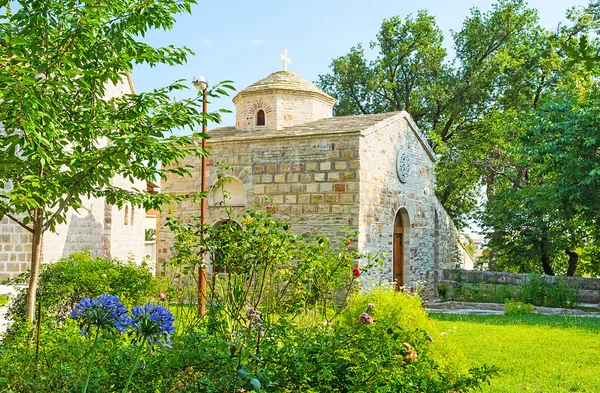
{"type": "Point", "coordinates": [412, 125]}
{"type": "Point", "coordinates": [324, 97]}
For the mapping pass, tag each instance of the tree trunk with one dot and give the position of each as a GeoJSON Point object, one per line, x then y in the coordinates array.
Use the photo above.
{"type": "Point", "coordinates": [36, 256]}
{"type": "Point", "coordinates": [573, 259]}
{"type": "Point", "coordinates": [492, 260]}
{"type": "Point", "coordinates": [546, 265]}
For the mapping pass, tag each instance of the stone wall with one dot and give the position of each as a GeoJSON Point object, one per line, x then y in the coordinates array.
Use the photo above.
{"type": "Point", "coordinates": [15, 249]}
{"type": "Point", "coordinates": [432, 239]}
{"type": "Point", "coordinates": [588, 288]}
{"type": "Point", "coordinates": [310, 182]}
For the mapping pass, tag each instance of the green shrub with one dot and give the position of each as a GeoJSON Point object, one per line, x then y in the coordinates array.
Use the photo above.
{"type": "Point", "coordinates": [442, 289]}
{"type": "Point", "coordinates": [3, 300]}
{"type": "Point", "coordinates": [405, 312]}
{"type": "Point", "coordinates": [540, 292]}
{"type": "Point", "coordinates": [64, 283]}
{"type": "Point", "coordinates": [517, 308]}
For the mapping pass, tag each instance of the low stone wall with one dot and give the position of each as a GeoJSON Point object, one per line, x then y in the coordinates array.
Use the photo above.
{"type": "Point", "coordinates": [588, 288]}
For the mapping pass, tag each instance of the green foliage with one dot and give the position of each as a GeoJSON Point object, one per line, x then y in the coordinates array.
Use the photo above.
{"type": "Point", "coordinates": [485, 293]}
{"type": "Point", "coordinates": [541, 292]}
{"type": "Point", "coordinates": [65, 282]}
{"type": "Point", "coordinates": [285, 318]}
{"type": "Point", "coordinates": [269, 268]}
{"type": "Point", "coordinates": [149, 234]}
{"type": "Point", "coordinates": [442, 289]}
{"type": "Point", "coordinates": [64, 137]}
{"type": "Point", "coordinates": [517, 308]}
{"type": "Point", "coordinates": [536, 290]}
{"type": "Point", "coordinates": [3, 300]}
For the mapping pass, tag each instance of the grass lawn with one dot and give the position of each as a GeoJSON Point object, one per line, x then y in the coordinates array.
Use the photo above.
{"type": "Point", "coordinates": [535, 353]}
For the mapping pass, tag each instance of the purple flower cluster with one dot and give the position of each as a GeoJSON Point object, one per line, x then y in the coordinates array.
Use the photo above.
{"type": "Point", "coordinates": [105, 312]}
{"type": "Point", "coordinates": [152, 322]}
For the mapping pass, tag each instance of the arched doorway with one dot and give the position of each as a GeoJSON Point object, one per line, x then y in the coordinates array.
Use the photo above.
{"type": "Point", "coordinates": [400, 248]}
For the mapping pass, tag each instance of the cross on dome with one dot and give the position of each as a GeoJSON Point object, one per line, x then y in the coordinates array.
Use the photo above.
{"type": "Point", "coordinates": [286, 60]}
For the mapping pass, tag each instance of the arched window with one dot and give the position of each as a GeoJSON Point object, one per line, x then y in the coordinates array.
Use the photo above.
{"type": "Point", "coordinates": [227, 192]}
{"type": "Point", "coordinates": [260, 118]}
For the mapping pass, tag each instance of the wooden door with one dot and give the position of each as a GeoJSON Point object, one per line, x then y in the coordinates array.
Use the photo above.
{"type": "Point", "coordinates": [398, 270]}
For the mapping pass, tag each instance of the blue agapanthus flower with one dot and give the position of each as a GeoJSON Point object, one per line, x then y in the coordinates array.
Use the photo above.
{"type": "Point", "coordinates": [152, 322]}
{"type": "Point", "coordinates": [105, 312]}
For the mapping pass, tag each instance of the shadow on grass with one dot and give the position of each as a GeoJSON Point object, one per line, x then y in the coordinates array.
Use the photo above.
{"type": "Point", "coordinates": [590, 324]}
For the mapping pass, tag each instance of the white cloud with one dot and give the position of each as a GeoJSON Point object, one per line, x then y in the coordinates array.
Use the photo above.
{"type": "Point", "coordinates": [206, 42]}
{"type": "Point", "coordinates": [257, 42]}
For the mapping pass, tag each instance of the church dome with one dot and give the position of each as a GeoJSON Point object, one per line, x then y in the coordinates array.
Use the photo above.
{"type": "Point", "coordinates": [282, 99]}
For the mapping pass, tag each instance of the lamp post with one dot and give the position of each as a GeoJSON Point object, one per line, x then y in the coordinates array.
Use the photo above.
{"type": "Point", "coordinates": [201, 85]}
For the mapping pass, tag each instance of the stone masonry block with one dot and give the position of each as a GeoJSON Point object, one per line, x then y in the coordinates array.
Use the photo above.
{"type": "Point", "coordinates": [325, 166]}
{"type": "Point", "coordinates": [333, 176]}
{"type": "Point", "coordinates": [326, 187]}
{"type": "Point", "coordinates": [312, 167]}
{"type": "Point", "coordinates": [331, 198]}
{"type": "Point", "coordinates": [290, 199]}
{"type": "Point", "coordinates": [319, 177]}
{"type": "Point", "coordinates": [304, 198]}
{"type": "Point", "coordinates": [347, 176]}
{"type": "Point", "coordinates": [306, 178]}
{"type": "Point", "coordinates": [340, 165]}
{"type": "Point", "coordinates": [316, 198]}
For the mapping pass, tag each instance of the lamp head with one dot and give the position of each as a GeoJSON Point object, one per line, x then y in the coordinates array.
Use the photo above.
{"type": "Point", "coordinates": [199, 83]}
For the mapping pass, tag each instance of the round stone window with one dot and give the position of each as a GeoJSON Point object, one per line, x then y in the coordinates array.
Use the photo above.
{"type": "Point", "coordinates": [403, 165]}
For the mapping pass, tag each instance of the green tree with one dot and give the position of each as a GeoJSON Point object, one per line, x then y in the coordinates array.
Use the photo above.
{"type": "Point", "coordinates": [62, 141]}
{"type": "Point", "coordinates": [504, 62]}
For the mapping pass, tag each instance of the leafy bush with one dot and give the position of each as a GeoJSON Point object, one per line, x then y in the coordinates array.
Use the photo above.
{"type": "Point", "coordinates": [442, 289]}
{"type": "Point", "coordinates": [285, 318]}
{"type": "Point", "coordinates": [405, 312]}
{"type": "Point", "coordinates": [64, 283]}
{"type": "Point", "coordinates": [536, 291]}
{"type": "Point", "coordinates": [517, 308]}
{"type": "Point", "coordinates": [540, 292]}
{"type": "Point", "coordinates": [3, 300]}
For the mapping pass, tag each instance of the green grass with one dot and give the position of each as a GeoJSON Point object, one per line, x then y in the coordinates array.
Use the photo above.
{"type": "Point", "coordinates": [535, 353]}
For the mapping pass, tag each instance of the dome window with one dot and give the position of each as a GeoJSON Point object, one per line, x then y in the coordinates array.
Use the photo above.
{"type": "Point", "coordinates": [260, 118]}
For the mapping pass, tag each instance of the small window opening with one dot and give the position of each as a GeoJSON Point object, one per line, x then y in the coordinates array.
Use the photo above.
{"type": "Point", "coordinates": [260, 118]}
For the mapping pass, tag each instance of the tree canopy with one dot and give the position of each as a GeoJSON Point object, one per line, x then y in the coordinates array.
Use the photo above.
{"type": "Point", "coordinates": [63, 138]}
{"type": "Point", "coordinates": [485, 112]}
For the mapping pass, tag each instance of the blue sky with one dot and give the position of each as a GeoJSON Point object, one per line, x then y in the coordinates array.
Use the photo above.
{"type": "Point", "coordinates": [241, 40]}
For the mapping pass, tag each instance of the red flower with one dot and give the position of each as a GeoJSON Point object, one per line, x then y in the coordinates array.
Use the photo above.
{"type": "Point", "coordinates": [348, 242]}
{"type": "Point", "coordinates": [356, 272]}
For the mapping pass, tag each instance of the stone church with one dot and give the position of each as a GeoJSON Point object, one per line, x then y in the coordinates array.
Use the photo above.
{"type": "Point", "coordinates": [372, 173]}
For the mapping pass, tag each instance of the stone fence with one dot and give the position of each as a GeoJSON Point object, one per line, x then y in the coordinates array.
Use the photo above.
{"type": "Point", "coordinates": [588, 289]}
